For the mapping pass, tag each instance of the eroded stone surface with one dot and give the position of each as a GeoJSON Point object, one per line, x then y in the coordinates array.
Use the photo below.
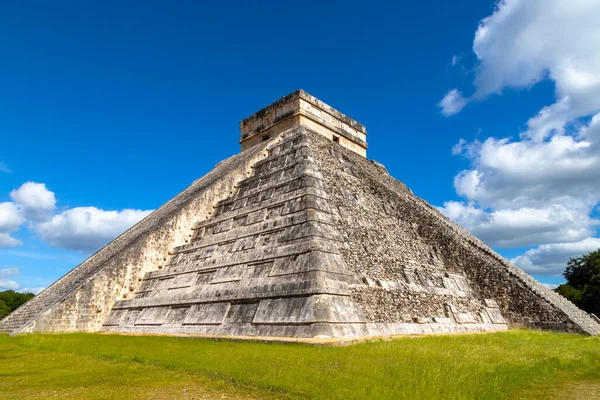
{"type": "Point", "coordinates": [391, 234]}
{"type": "Point", "coordinates": [267, 260]}
{"type": "Point", "coordinates": [82, 299]}
{"type": "Point", "coordinates": [297, 237]}
{"type": "Point", "coordinates": [301, 109]}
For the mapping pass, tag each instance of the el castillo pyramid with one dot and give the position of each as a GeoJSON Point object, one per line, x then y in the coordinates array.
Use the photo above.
{"type": "Point", "coordinates": [301, 236]}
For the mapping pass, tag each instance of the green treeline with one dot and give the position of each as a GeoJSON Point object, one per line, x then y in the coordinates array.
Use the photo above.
{"type": "Point", "coordinates": [583, 282]}
{"type": "Point", "coordinates": [11, 300]}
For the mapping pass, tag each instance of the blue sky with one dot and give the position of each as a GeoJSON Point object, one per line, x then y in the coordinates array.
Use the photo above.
{"type": "Point", "coordinates": [109, 109]}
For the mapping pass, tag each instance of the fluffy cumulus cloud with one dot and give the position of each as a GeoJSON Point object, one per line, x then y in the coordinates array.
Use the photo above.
{"type": "Point", "coordinates": [552, 258]}
{"type": "Point", "coordinates": [541, 188]}
{"type": "Point", "coordinates": [453, 102]}
{"type": "Point", "coordinates": [87, 228]}
{"type": "Point", "coordinates": [35, 200]}
{"type": "Point", "coordinates": [81, 228]}
{"type": "Point", "coordinates": [526, 41]}
{"type": "Point", "coordinates": [8, 241]}
{"type": "Point", "coordinates": [10, 217]}
{"type": "Point", "coordinates": [10, 221]}
{"type": "Point", "coordinates": [30, 202]}
{"type": "Point", "coordinates": [6, 272]}
{"type": "Point", "coordinates": [522, 227]}
{"type": "Point", "coordinates": [8, 284]}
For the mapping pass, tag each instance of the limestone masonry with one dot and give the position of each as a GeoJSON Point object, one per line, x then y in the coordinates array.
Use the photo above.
{"type": "Point", "coordinates": [301, 109]}
{"type": "Point", "coordinates": [300, 236]}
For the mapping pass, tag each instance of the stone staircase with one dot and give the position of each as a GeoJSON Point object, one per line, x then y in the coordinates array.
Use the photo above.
{"type": "Point", "coordinates": [265, 263]}
{"type": "Point", "coordinates": [19, 319]}
{"type": "Point", "coordinates": [28, 312]}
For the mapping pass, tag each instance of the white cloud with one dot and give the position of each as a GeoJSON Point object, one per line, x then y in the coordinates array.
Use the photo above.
{"type": "Point", "coordinates": [4, 168]}
{"type": "Point", "coordinates": [540, 188]}
{"type": "Point", "coordinates": [526, 41]}
{"type": "Point", "coordinates": [551, 259]}
{"type": "Point", "coordinates": [6, 284]}
{"type": "Point", "coordinates": [453, 102]}
{"type": "Point", "coordinates": [87, 228]}
{"type": "Point", "coordinates": [35, 196]}
{"type": "Point", "coordinates": [520, 227]}
{"type": "Point", "coordinates": [530, 192]}
{"type": "Point", "coordinates": [8, 241]}
{"type": "Point", "coordinates": [6, 272]}
{"type": "Point", "coordinates": [529, 173]}
{"type": "Point", "coordinates": [82, 228]}
{"type": "Point", "coordinates": [459, 147]}
{"type": "Point", "coordinates": [35, 200]}
{"type": "Point", "coordinates": [28, 254]}
{"type": "Point", "coordinates": [31, 201]}
{"type": "Point", "coordinates": [10, 217]}
{"type": "Point", "coordinates": [35, 291]}
{"type": "Point", "coordinates": [551, 286]}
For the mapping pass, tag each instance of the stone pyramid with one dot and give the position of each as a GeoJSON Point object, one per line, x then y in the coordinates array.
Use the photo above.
{"type": "Point", "coordinates": [300, 236]}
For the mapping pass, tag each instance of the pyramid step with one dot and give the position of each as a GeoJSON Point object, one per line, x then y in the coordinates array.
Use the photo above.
{"type": "Point", "coordinates": [291, 228]}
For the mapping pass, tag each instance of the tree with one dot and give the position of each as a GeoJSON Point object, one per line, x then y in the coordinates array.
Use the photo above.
{"type": "Point", "coordinates": [11, 300]}
{"type": "Point", "coordinates": [4, 310]}
{"type": "Point", "coordinates": [583, 282]}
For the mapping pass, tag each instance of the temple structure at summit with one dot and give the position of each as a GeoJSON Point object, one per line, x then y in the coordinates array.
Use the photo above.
{"type": "Point", "coordinates": [299, 235]}
{"type": "Point", "coordinates": [301, 109]}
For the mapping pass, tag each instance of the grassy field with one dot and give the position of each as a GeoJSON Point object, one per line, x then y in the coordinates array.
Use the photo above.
{"type": "Point", "coordinates": [508, 365]}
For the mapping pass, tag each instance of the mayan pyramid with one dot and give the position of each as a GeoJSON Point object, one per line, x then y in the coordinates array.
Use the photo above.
{"type": "Point", "coordinates": [299, 235]}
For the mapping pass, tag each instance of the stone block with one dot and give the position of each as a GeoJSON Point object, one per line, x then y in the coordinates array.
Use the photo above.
{"type": "Point", "coordinates": [464, 318]}
{"type": "Point", "coordinates": [321, 308]}
{"type": "Point", "coordinates": [313, 261]}
{"type": "Point", "coordinates": [256, 216]}
{"type": "Point", "coordinates": [450, 284]}
{"type": "Point", "coordinates": [115, 318]}
{"type": "Point", "coordinates": [485, 317]}
{"type": "Point", "coordinates": [462, 283]}
{"type": "Point", "coordinates": [206, 314]}
{"type": "Point", "coordinates": [223, 226]}
{"type": "Point", "coordinates": [491, 303]}
{"type": "Point", "coordinates": [245, 243]}
{"type": "Point", "coordinates": [183, 281]}
{"type": "Point", "coordinates": [147, 285]}
{"type": "Point", "coordinates": [495, 315]}
{"type": "Point", "coordinates": [241, 313]}
{"type": "Point", "coordinates": [229, 274]}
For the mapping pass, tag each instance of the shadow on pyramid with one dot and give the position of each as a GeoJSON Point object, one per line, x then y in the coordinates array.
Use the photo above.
{"type": "Point", "coordinates": [298, 236]}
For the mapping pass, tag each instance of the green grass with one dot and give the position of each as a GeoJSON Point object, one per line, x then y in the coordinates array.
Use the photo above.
{"type": "Point", "coordinates": [508, 365]}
